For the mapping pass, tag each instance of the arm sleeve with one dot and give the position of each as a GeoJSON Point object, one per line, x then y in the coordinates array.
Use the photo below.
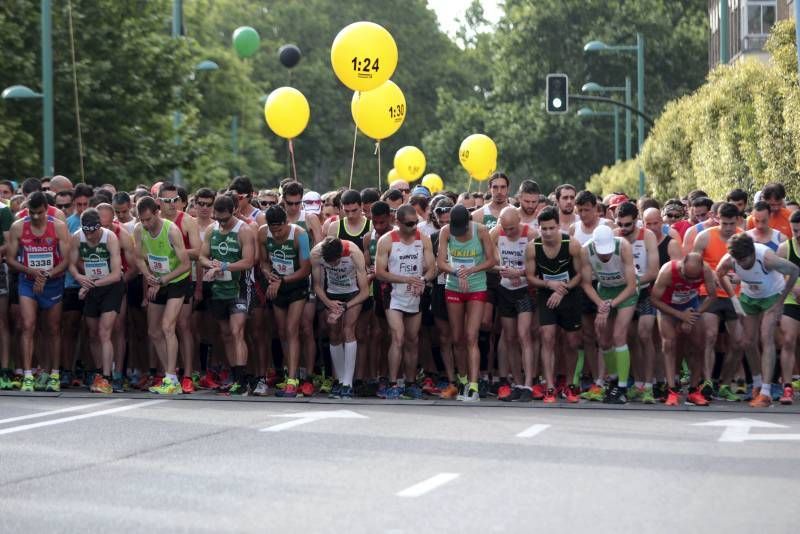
{"type": "Point", "coordinates": [302, 241]}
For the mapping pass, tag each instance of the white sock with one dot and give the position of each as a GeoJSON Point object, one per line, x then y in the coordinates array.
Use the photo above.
{"type": "Point", "coordinates": [756, 381]}
{"type": "Point", "coordinates": [350, 350]}
{"type": "Point", "coordinates": [173, 377]}
{"type": "Point", "coordinates": [28, 373]}
{"type": "Point", "coordinates": [337, 358]}
{"type": "Point", "coordinates": [766, 389]}
{"type": "Point", "coordinates": [55, 372]}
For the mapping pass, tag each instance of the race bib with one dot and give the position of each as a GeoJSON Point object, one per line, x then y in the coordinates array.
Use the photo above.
{"type": "Point", "coordinates": [283, 266]}
{"type": "Point", "coordinates": [682, 297]}
{"type": "Point", "coordinates": [223, 276]}
{"type": "Point", "coordinates": [560, 277]}
{"type": "Point", "coordinates": [158, 264]}
{"type": "Point", "coordinates": [40, 260]}
{"type": "Point", "coordinates": [458, 263]}
{"type": "Point", "coordinates": [96, 269]}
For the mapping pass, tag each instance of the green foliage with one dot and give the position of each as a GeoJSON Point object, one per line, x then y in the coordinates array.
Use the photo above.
{"type": "Point", "coordinates": [739, 130]}
{"type": "Point", "coordinates": [620, 178]}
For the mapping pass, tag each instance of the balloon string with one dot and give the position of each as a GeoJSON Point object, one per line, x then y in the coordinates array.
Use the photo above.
{"type": "Point", "coordinates": [469, 184]}
{"type": "Point", "coordinates": [291, 154]}
{"type": "Point", "coordinates": [353, 159]}
{"type": "Point", "coordinates": [378, 153]}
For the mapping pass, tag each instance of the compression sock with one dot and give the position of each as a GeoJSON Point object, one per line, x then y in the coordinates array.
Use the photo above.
{"type": "Point", "coordinates": [350, 350]}
{"type": "Point", "coordinates": [623, 358]}
{"type": "Point", "coordinates": [337, 359]}
{"type": "Point", "coordinates": [576, 376]}
{"type": "Point", "coordinates": [611, 362]}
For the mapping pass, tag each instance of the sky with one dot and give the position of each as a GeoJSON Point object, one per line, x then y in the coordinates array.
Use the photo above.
{"type": "Point", "coordinates": [448, 11]}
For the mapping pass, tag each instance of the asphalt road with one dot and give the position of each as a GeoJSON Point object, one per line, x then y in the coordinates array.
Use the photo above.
{"type": "Point", "coordinates": [73, 463]}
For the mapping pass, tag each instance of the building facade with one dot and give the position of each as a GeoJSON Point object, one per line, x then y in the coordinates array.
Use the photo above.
{"type": "Point", "coordinates": [750, 22]}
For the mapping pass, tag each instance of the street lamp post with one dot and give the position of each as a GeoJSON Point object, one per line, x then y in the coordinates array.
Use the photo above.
{"type": "Point", "coordinates": [21, 92]}
{"type": "Point", "coordinates": [638, 48]}
{"type": "Point", "coordinates": [592, 87]}
{"type": "Point", "coordinates": [587, 113]}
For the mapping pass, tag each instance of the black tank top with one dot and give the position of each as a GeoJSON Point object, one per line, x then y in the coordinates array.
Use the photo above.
{"type": "Point", "coordinates": [358, 239]}
{"type": "Point", "coordinates": [551, 268]}
{"type": "Point", "coordinates": [663, 251]}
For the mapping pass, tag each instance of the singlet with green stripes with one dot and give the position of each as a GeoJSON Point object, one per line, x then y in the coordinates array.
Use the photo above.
{"type": "Point", "coordinates": [609, 273]}
{"type": "Point", "coordinates": [96, 259]}
{"type": "Point", "coordinates": [285, 257]}
{"type": "Point", "coordinates": [466, 254]}
{"type": "Point", "coordinates": [161, 256]}
{"type": "Point", "coordinates": [226, 247]}
{"type": "Point", "coordinates": [794, 257]}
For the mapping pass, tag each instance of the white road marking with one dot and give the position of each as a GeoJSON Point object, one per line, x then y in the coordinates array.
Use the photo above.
{"type": "Point", "coordinates": [308, 417]}
{"type": "Point", "coordinates": [533, 431]}
{"type": "Point", "coordinates": [738, 430]}
{"type": "Point", "coordinates": [60, 410]}
{"type": "Point", "coordinates": [63, 420]}
{"type": "Point", "coordinates": [428, 485]}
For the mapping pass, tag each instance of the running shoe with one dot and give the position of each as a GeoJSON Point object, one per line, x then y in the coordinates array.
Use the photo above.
{"type": "Point", "coordinates": [16, 381]}
{"type": "Point", "coordinates": [796, 385]}
{"type": "Point", "coordinates": [412, 392]}
{"type": "Point", "coordinates": [483, 389]}
{"type": "Point", "coordinates": [307, 389]}
{"type": "Point", "coordinates": [550, 396]}
{"type": "Point", "coordinates": [118, 384]}
{"type": "Point", "coordinates": [66, 378]}
{"type": "Point", "coordinates": [100, 385]}
{"type": "Point", "coordinates": [41, 381]}
{"type": "Point", "coordinates": [166, 387]}
{"type": "Point", "coordinates": [53, 384]}
{"type": "Point", "coordinates": [571, 394]}
{"type": "Point", "coordinates": [777, 392]}
{"type": "Point", "coordinates": [596, 394]}
{"type": "Point", "coordinates": [28, 384]}
{"type": "Point", "coordinates": [383, 388]}
{"type": "Point", "coordinates": [696, 398]}
{"type": "Point", "coordinates": [261, 389]}
{"type": "Point", "coordinates": [525, 395]}
{"type": "Point", "coordinates": [196, 380]}
{"type": "Point", "coordinates": [750, 393]}
{"type": "Point", "coordinates": [429, 387]}
{"type": "Point", "coordinates": [635, 394]}
{"type": "Point", "coordinates": [707, 389]}
{"type": "Point", "coordinates": [648, 397]}
{"type": "Point", "coordinates": [473, 393]}
{"type": "Point", "coordinates": [158, 379]}
{"type": "Point", "coordinates": [208, 381]}
{"type": "Point", "coordinates": [788, 395]}
{"type": "Point", "coordinates": [673, 399]}
{"type": "Point", "coordinates": [513, 394]}
{"type": "Point", "coordinates": [761, 401]}
{"type": "Point", "coordinates": [238, 390]}
{"type": "Point", "coordinates": [335, 390]}
{"type": "Point", "coordinates": [187, 385]}
{"type": "Point", "coordinates": [326, 385]}
{"type": "Point", "coordinates": [462, 390]}
{"type": "Point", "coordinates": [726, 393]}
{"type": "Point", "coordinates": [393, 392]}
{"type": "Point", "coordinates": [290, 390]}
{"type": "Point", "coordinates": [504, 392]}
{"type": "Point", "coordinates": [5, 382]}
{"type": "Point", "coordinates": [538, 392]}
{"type": "Point", "coordinates": [741, 387]}
{"type": "Point", "coordinates": [660, 391]}
{"type": "Point", "coordinates": [346, 392]}
{"type": "Point", "coordinates": [449, 392]}
{"type": "Point", "coordinates": [616, 395]}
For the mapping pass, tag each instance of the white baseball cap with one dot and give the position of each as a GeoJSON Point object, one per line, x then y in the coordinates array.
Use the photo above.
{"type": "Point", "coordinates": [312, 202]}
{"type": "Point", "coordinates": [603, 238]}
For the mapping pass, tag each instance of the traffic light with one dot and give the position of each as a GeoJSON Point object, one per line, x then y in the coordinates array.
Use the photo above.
{"type": "Point", "coordinates": [557, 93]}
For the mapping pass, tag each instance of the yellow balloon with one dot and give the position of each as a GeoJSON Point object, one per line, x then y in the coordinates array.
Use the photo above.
{"type": "Point", "coordinates": [433, 182]}
{"type": "Point", "coordinates": [410, 163]}
{"type": "Point", "coordinates": [392, 176]}
{"type": "Point", "coordinates": [363, 55]}
{"type": "Point", "coordinates": [287, 112]}
{"type": "Point", "coordinates": [478, 155]}
{"type": "Point", "coordinates": [379, 113]}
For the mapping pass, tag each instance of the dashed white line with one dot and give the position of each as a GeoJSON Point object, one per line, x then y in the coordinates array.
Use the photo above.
{"type": "Point", "coordinates": [63, 420]}
{"type": "Point", "coordinates": [533, 431]}
{"type": "Point", "coordinates": [428, 485]}
{"type": "Point", "coordinates": [60, 410]}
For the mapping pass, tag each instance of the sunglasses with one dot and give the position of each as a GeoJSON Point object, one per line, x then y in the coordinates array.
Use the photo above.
{"type": "Point", "coordinates": [266, 203]}
{"type": "Point", "coordinates": [626, 225]}
{"type": "Point", "coordinates": [63, 207]}
{"type": "Point", "coordinates": [172, 200]}
{"type": "Point", "coordinates": [313, 202]}
{"type": "Point", "coordinates": [409, 224]}
{"type": "Point", "coordinates": [404, 191]}
{"type": "Point", "coordinates": [442, 210]}
{"type": "Point", "coordinates": [89, 229]}
{"type": "Point", "coordinates": [292, 203]}
{"type": "Point", "coordinates": [203, 204]}
{"type": "Point", "coordinates": [673, 215]}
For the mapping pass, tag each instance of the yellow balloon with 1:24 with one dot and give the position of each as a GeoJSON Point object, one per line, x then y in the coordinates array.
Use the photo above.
{"type": "Point", "coordinates": [478, 156]}
{"type": "Point", "coordinates": [379, 113]}
{"type": "Point", "coordinates": [363, 56]}
{"type": "Point", "coordinates": [433, 182]}
{"type": "Point", "coordinates": [410, 163]}
{"type": "Point", "coordinates": [287, 112]}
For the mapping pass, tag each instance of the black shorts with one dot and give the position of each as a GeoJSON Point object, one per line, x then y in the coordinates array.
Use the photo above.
{"type": "Point", "coordinates": [588, 307]}
{"type": "Point", "coordinates": [288, 294]}
{"type": "Point", "coordinates": [439, 303]}
{"type": "Point", "coordinates": [492, 286]}
{"type": "Point", "coordinates": [379, 293]}
{"type": "Point", "coordinates": [136, 292]}
{"type": "Point", "coordinates": [205, 304]}
{"type": "Point", "coordinates": [183, 289]}
{"type": "Point", "coordinates": [71, 300]}
{"type": "Point", "coordinates": [792, 311]}
{"type": "Point", "coordinates": [512, 302]}
{"type": "Point", "coordinates": [104, 299]}
{"type": "Point", "coordinates": [567, 315]}
{"type": "Point", "coordinates": [222, 309]}
{"type": "Point", "coordinates": [342, 297]}
{"type": "Point", "coordinates": [425, 306]}
{"type": "Point", "coordinates": [723, 307]}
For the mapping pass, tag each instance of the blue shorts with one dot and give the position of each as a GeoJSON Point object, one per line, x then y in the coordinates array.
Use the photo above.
{"type": "Point", "coordinates": [50, 296]}
{"type": "Point", "coordinates": [694, 303]}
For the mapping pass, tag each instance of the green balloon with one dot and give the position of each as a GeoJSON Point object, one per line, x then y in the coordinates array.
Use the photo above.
{"type": "Point", "coordinates": [245, 41]}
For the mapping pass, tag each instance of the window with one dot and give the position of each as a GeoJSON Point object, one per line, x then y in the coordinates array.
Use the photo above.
{"type": "Point", "coordinates": [760, 17]}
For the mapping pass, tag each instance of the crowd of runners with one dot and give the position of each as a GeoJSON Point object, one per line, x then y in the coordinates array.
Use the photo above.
{"type": "Point", "coordinates": [400, 294]}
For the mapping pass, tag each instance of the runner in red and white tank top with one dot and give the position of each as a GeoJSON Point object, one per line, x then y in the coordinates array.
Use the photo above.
{"type": "Point", "coordinates": [40, 251]}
